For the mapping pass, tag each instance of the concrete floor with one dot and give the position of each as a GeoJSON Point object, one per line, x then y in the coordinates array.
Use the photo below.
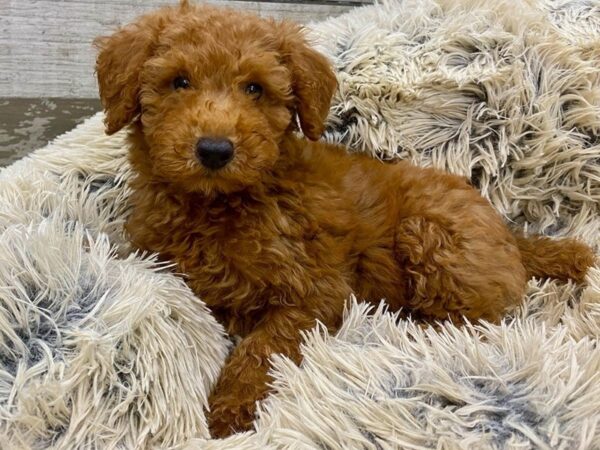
{"type": "Point", "coordinates": [28, 124]}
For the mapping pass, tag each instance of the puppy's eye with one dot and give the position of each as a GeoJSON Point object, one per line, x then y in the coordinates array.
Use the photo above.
{"type": "Point", "coordinates": [254, 89]}
{"type": "Point", "coordinates": [181, 83]}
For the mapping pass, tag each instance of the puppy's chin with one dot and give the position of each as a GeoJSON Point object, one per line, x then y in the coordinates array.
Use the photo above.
{"type": "Point", "coordinates": [212, 185]}
{"type": "Point", "coordinates": [209, 183]}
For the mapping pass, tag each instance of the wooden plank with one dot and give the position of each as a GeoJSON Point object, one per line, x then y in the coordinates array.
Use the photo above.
{"type": "Point", "coordinates": [46, 45]}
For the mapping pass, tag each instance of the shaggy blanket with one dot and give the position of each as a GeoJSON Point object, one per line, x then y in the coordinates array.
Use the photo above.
{"type": "Point", "coordinates": [104, 348]}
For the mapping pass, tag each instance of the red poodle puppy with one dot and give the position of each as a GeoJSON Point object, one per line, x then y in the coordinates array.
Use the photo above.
{"type": "Point", "coordinates": [273, 231]}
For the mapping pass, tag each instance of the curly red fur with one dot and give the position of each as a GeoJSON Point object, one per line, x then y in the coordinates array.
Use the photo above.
{"type": "Point", "coordinates": [286, 231]}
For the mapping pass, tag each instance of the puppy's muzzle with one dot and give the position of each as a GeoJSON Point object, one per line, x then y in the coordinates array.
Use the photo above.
{"type": "Point", "coordinates": [214, 153]}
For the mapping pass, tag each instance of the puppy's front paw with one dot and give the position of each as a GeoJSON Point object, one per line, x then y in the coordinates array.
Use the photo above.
{"type": "Point", "coordinates": [229, 415]}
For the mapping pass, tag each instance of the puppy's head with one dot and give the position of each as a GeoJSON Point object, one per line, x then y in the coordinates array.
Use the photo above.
{"type": "Point", "coordinates": [211, 93]}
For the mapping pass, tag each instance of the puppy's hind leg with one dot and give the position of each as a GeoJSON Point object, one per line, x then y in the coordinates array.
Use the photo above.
{"type": "Point", "coordinates": [451, 274]}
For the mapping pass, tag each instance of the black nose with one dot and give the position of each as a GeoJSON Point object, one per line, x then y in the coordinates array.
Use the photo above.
{"type": "Point", "coordinates": [214, 153]}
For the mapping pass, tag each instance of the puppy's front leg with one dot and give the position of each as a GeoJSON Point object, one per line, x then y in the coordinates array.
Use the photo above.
{"type": "Point", "coordinates": [244, 378]}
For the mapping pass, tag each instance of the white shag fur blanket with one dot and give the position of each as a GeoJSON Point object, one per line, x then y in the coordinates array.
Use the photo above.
{"type": "Point", "coordinates": [102, 349]}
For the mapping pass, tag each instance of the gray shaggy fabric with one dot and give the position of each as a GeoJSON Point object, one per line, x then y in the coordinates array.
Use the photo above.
{"type": "Point", "coordinates": [384, 384]}
{"type": "Point", "coordinates": [102, 348]}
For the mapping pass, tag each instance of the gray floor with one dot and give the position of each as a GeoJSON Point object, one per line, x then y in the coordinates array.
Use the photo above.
{"type": "Point", "coordinates": [28, 124]}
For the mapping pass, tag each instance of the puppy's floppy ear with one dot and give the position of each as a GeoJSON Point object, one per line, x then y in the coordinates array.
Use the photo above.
{"type": "Point", "coordinates": [313, 80]}
{"type": "Point", "coordinates": [118, 66]}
